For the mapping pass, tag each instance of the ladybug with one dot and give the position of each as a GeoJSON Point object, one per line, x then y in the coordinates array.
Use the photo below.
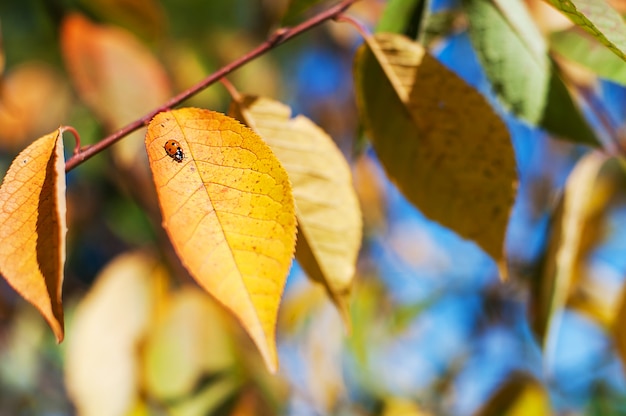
{"type": "Point", "coordinates": [173, 150]}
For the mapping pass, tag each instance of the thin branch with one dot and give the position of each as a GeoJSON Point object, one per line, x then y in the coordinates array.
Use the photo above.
{"type": "Point", "coordinates": [279, 37]}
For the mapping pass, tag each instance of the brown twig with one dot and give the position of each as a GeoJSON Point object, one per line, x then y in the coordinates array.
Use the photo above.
{"type": "Point", "coordinates": [277, 38]}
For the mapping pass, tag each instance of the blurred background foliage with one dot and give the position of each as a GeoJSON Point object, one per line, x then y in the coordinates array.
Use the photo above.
{"type": "Point", "coordinates": [434, 330]}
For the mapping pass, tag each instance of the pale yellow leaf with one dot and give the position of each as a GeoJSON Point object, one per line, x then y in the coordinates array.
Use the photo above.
{"type": "Point", "coordinates": [188, 343]}
{"type": "Point", "coordinates": [329, 216]}
{"type": "Point", "coordinates": [102, 357]}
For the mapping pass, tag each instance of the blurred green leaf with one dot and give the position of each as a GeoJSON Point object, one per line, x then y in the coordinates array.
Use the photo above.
{"type": "Point", "coordinates": [514, 55]}
{"type": "Point", "coordinates": [598, 18]}
{"type": "Point", "coordinates": [400, 15]}
{"type": "Point", "coordinates": [580, 47]}
{"type": "Point", "coordinates": [296, 9]}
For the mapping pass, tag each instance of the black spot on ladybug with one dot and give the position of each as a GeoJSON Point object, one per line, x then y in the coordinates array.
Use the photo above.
{"type": "Point", "coordinates": [173, 150]}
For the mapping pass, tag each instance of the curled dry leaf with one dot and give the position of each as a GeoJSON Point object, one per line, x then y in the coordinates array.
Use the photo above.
{"type": "Point", "coordinates": [33, 228]}
{"type": "Point", "coordinates": [438, 139]}
{"type": "Point", "coordinates": [109, 325]}
{"type": "Point", "coordinates": [229, 212]}
{"type": "Point", "coordinates": [329, 216]}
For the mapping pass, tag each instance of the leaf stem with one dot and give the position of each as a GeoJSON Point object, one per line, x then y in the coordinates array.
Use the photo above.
{"type": "Point", "coordinates": [76, 137]}
{"type": "Point", "coordinates": [277, 38]}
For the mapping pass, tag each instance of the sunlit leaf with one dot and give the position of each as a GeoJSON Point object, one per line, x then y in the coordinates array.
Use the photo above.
{"type": "Point", "coordinates": [101, 368]}
{"type": "Point", "coordinates": [575, 230]}
{"type": "Point", "coordinates": [229, 212]}
{"type": "Point", "coordinates": [329, 217]}
{"type": "Point", "coordinates": [438, 139]}
{"type": "Point", "coordinates": [598, 18]}
{"type": "Point", "coordinates": [33, 228]}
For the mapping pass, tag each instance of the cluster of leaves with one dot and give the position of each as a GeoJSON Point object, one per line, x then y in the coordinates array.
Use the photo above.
{"type": "Point", "coordinates": [246, 180]}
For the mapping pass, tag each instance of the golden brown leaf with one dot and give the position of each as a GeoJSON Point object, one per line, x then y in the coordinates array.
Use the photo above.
{"type": "Point", "coordinates": [438, 139]}
{"type": "Point", "coordinates": [575, 230]}
{"type": "Point", "coordinates": [33, 228]}
{"type": "Point", "coordinates": [229, 212]}
{"type": "Point", "coordinates": [329, 216]}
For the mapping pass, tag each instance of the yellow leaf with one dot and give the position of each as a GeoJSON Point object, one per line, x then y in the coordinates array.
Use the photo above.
{"type": "Point", "coordinates": [328, 212]}
{"type": "Point", "coordinates": [438, 139]}
{"type": "Point", "coordinates": [33, 228]}
{"type": "Point", "coordinates": [109, 325]}
{"type": "Point", "coordinates": [182, 348]}
{"type": "Point", "coordinates": [619, 328]}
{"type": "Point", "coordinates": [229, 212]}
{"type": "Point", "coordinates": [520, 395]}
{"type": "Point", "coordinates": [575, 228]}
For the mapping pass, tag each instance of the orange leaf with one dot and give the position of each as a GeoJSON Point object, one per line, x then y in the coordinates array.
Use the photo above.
{"type": "Point", "coordinates": [32, 227]}
{"type": "Point", "coordinates": [28, 89]}
{"type": "Point", "coordinates": [114, 73]}
{"type": "Point", "coordinates": [229, 212]}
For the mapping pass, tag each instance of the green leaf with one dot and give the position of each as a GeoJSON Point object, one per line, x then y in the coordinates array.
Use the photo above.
{"type": "Point", "coordinates": [398, 15]}
{"type": "Point", "coordinates": [598, 18]}
{"type": "Point", "coordinates": [580, 47]}
{"type": "Point", "coordinates": [562, 118]}
{"type": "Point", "coordinates": [514, 56]}
{"type": "Point", "coordinates": [296, 9]}
{"type": "Point", "coordinates": [438, 139]}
